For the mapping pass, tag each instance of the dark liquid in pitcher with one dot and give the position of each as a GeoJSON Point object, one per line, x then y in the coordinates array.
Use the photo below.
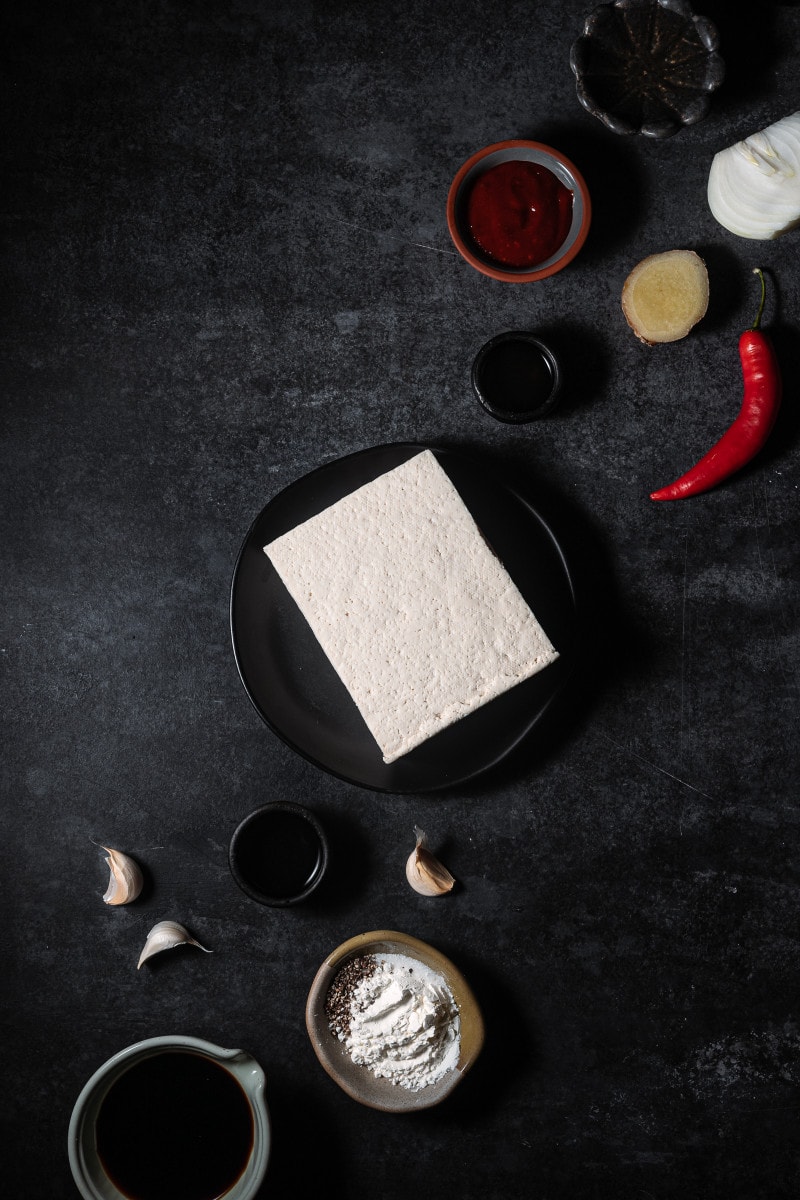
{"type": "Point", "coordinates": [175, 1126]}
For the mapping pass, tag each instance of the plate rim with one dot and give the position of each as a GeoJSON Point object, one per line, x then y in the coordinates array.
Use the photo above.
{"type": "Point", "coordinates": [568, 657]}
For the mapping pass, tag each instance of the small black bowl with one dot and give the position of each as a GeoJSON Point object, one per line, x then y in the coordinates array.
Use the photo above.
{"type": "Point", "coordinates": [278, 854]}
{"type": "Point", "coordinates": [516, 377]}
{"type": "Point", "coordinates": [647, 66]}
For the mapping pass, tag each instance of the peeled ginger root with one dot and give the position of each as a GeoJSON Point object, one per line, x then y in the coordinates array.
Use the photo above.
{"type": "Point", "coordinates": [665, 296]}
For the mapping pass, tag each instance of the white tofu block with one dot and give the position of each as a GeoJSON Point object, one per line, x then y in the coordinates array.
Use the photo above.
{"type": "Point", "coordinates": [419, 618]}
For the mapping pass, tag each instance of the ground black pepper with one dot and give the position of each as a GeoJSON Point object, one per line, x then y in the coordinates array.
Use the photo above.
{"type": "Point", "coordinates": [338, 1002]}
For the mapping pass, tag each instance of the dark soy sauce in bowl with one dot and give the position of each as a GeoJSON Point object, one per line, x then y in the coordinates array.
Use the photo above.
{"type": "Point", "coordinates": [516, 377]}
{"type": "Point", "coordinates": [278, 854]}
{"type": "Point", "coordinates": [174, 1126]}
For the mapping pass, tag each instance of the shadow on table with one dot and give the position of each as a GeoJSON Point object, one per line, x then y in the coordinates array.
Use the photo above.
{"type": "Point", "coordinates": [786, 433]}
{"type": "Point", "coordinates": [509, 1053]}
{"type": "Point", "coordinates": [584, 373]}
{"type": "Point", "coordinates": [306, 1148]}
{"type": "Point", "coordinates": [608, 643]}
{"type": "Point", "coordinates": [347, 844]}
{"type": "Point", "coordinates": [614, 175]}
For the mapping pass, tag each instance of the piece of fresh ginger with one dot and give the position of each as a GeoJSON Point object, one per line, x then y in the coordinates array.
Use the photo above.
{"type": "Point", "coordinates": [665, 295]}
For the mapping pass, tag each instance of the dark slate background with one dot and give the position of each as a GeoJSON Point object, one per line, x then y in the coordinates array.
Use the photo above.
{"type": "Point", "coordinates": [226, 262]}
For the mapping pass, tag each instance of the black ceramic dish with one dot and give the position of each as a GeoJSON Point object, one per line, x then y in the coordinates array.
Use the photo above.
{"type": "Point", "coordinates": [292, 684]}
{"type": "Point", "coordinates": [647, 66]}
{"type": "Point", "coordinates": [516, 377]}
{"type": "Point", "coordinates": [278, 854]}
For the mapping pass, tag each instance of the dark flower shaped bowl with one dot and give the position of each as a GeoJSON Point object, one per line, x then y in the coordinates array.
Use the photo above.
{"type": "Point", "coordinates": [647, 66]}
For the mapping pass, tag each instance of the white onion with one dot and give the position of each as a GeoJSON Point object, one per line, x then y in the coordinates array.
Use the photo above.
{"type": "Point", "coordinates": [754, 186]}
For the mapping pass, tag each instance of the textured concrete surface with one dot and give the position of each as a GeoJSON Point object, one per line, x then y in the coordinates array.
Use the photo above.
{"type": "Point", "coordinates": [226, 261]}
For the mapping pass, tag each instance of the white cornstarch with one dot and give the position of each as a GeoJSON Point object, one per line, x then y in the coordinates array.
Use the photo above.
{"type": "Point", "coordinates": [397, 1017]}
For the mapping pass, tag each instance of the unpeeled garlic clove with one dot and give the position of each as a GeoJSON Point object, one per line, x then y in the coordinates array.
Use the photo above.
{"type": "Point", "coordinates": [126, 880]}
{"type": "Point", "coordinates": [424, 871]}
{"type": "Point", "coordinates": [166, 935]}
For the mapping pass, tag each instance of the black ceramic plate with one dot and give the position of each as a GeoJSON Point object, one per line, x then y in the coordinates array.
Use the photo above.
{"type": "Point", "coordinates": [297, 692]}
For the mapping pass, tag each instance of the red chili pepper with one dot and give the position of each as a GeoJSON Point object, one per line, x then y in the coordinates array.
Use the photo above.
{"type": "Point", "coordinates": [752, 427]}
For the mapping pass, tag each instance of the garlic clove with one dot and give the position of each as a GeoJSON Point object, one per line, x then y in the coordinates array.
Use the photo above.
{"type": "Point", "coordinates": [424, 871]}
{"type": "Point", "coordinates": [126, 879]}
{"type": "Point", "coordinates": [166, 935]}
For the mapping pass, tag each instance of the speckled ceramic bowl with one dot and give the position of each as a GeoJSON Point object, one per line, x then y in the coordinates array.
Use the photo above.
{"type": "Point", "coordinates": [647, 66]}
{"type": "Point", "coordinates": [492, 156]}
{"type": "Point", "coordinates": [90, 1178]}
{"type": "Point", "coordinates": [359, 1082]}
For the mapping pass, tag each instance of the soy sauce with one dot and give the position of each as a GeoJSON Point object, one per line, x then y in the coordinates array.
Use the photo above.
{"type": "Point", "coordinates": [279, 854]}
{"type": "Point", "coordinates": [175, 1126]}
{"type": "Point", "coordinates": [516, 377]}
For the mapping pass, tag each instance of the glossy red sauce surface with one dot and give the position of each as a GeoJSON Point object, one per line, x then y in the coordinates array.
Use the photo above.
{"type": "Point", "coordinates": [519, 213]}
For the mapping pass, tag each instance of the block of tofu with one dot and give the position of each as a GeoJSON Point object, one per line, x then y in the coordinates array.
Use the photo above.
{"type": "Point", "coordinates": [419, 618]}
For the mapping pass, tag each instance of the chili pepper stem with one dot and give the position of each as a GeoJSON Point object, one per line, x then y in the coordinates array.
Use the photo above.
{"type": "Point", "coordinates": [757, 323]}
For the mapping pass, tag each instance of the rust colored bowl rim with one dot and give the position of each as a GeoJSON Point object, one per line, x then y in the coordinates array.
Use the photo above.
{"type": "Point", "coordinates": [507, 151]}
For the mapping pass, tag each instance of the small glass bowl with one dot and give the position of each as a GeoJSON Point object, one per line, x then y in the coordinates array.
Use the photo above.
{"type": "Point", "coordinates": [647, 66]}
{"type": "Point", "coordinates": [516, 377]}
{"type": "Point", "coordinates": [278, 854]}
{"type": "Point", "coordinates": [511, 151]}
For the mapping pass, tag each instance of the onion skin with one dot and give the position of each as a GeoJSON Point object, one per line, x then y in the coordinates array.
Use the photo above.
{"type": "Point", "coordinates": [754, 185]}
